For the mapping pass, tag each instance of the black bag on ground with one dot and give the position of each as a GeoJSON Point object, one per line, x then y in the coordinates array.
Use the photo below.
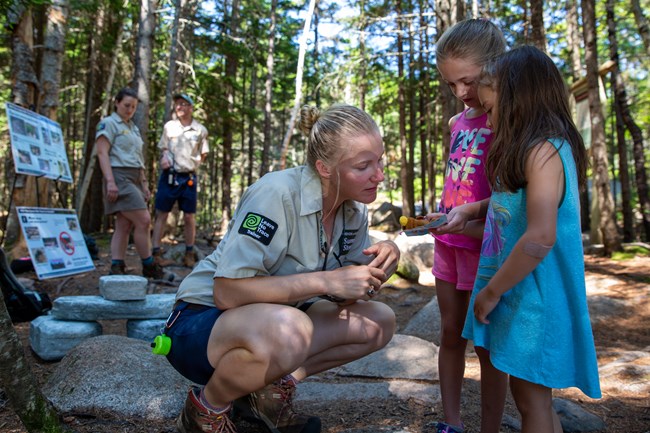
{"type": "Point", "coordinates": [23, 304]}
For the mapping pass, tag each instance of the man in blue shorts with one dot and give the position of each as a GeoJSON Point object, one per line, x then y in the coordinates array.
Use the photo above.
{"type": "Point", "coordinates": [183, 147]}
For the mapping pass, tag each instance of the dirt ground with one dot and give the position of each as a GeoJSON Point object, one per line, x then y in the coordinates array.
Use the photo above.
{"type": "Point", "coordinates": [622, 410]}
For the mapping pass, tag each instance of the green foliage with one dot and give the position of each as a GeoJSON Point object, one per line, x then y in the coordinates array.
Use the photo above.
{"type": "Point", "coordinates": [631, 251]}
{"type": "Point", "coordinates": [337, 69]}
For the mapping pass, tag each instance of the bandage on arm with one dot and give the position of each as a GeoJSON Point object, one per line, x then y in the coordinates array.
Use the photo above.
{"type": "Point", "coordinates": [536, 250]}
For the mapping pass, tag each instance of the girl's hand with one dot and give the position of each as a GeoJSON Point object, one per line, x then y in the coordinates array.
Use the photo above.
{"type": "Point", "coordinates": [484, 303]}
{"type": "Point", "coordinates": [386, 257]}
{"type": "Point", "coordinates": [456, 221]}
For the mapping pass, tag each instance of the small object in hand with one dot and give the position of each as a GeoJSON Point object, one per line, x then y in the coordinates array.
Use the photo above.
{"type": "Point", "coordinates": [371, 292]}
{"type": "Point", "coordinates": [410, 222]}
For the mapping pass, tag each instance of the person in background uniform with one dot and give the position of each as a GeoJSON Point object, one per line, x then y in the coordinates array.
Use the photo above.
{"type": "Point", "coordinates": [126, 190]}
{"type": "Point", "coordinates": [248, 323]}
{"type": "Point", "coordinates": [183, 146]}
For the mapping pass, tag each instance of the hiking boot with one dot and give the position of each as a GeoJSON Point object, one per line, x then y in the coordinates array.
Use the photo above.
{"type": "Point", "coordinates": [197, 418]}
{"type": "Point", "coordinates": [161, 261]}
{"type": "Point", "coordinates": [118, 269]}
{"type": "Point", "coordinates": [153, 271]}
{"type": "Point", "coordinates": [272, 407]}
{"type": "Point", "coordinates": [442, 427]}
{"type": "Point", "coordinates": [189, 259]}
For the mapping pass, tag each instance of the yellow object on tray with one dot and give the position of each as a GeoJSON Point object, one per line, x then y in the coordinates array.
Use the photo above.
{"type": "Point", "coordinates": [410, 222]}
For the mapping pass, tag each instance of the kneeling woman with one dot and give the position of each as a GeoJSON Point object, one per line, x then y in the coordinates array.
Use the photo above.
{"type": "Point", "coordinates": [245, 325]}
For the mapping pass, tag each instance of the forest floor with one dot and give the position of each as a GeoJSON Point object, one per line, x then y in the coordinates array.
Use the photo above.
{"type": "Point", "coordinates": [622, 409]}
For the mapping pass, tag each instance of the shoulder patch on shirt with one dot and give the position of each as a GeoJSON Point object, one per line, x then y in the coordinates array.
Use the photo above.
{"type": "Point", "coordinates": [101, 126]}
{"type": "Point", "coordinates": [258, 227]}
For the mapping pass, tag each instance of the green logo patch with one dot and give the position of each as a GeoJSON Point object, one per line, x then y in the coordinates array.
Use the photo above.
{"type": "Point", "coordinates": [258, 227]}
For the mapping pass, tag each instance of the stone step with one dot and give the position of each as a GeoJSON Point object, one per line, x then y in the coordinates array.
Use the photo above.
{"type": "Point", "coordinates": [51, 339]}
{"type": "Point", "coordinates": [90, 308]}
{"type": "Point", "coordinates": [123, 287]}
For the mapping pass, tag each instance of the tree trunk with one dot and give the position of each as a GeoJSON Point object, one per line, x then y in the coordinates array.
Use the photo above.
{"type": "Point", "coordinates": [98, 103]}
{"type": "Point", "coordinates": [408, 207]}
{"type": "Point", "coordinates": [17, 380]}
{"type": "Point", "coordinates": [607, 223]}
{"type": "Point", "coordinates": [173, 50]}
{"type": "Point", "coordinates": [51, 65]}
{"type": "Point", "coordinates": [573, 42]}
{"type": "Point", "coordinates": [142, 73]}
{"type": "Point", "coordinates": [232, 64]}
{"type": "Point", "coordinates": [268, 91]}
{"type": "Point", "coordinates": [573, 39]}
{"type": "Point", "coordinates": [299, 74]}
{"type": "Point", "coordinates": [25, 92]}
{"type": "Point", "coordinates": [412, 115]}
{"type": "Point", "coordinates": [363, 65]}
{"type": "Point", "coordinates": [447, 101]}
{"type": "Point", "coordinates": [537, 35]}
{"type": "Point", "coordinates": [251, 125]}
{"type": "Point", "coordinates": [620, 100]}
{"type": "Point", "coordinates": [642, 24]}
{"type": "Point", "coordinates": [424, 124]}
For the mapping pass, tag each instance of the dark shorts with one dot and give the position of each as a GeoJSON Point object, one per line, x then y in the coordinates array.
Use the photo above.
{"type": "Point", "coordinates": [190, 330]}
{"type": "Point", "coordinates": [180, 191]}
{"type": "Point", "coordinates": [190, 326]}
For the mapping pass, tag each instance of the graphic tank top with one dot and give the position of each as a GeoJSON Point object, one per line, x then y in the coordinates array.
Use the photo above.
{"type": "Point", "coordinates": [465, 179]}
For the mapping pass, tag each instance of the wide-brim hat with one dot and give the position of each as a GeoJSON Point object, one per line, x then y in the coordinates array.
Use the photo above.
{"type": "Point", "coordinates": [184, 96]}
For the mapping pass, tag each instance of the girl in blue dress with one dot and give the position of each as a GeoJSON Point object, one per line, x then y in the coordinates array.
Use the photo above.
{"type": "Point", "coordinates": [529, 303]}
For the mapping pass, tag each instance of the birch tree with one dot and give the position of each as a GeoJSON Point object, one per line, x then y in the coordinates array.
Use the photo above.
{"type": "Point", "coordinates": [299, 74]}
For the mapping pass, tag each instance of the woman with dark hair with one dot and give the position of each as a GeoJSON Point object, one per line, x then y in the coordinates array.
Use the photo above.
{"type": "Point", "coordinates": [126, 190]}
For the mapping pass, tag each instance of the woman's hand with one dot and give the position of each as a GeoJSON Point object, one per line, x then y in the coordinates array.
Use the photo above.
{"type": "Point", "coordinates": [386, 257]}
{"type": "Point", "coordinates": [354, 282]}
{"type": "Point", "coordinates": [112, 192]}
{"type": "Point", "coordinates": [146, 192]}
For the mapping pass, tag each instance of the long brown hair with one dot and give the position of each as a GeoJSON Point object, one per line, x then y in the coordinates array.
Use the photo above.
{"type": "Point", "coordinates": [532, 106]}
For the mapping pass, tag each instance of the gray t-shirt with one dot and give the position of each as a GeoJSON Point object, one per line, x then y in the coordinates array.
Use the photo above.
{"type": "Point", "coordinates": [276, 230]}
{"type": "Point", "coordinates": [126, 143]}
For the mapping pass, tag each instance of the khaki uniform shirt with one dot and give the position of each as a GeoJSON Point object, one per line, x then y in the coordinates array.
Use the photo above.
{"type": "Point", "coordinates": [125, 140]}
{"type": "Point", "coordinates": [277, 230]}
{"type": "Point", "coordinates": [185, 143]}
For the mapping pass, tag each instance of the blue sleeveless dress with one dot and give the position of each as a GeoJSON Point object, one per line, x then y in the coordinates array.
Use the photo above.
{"type": "Point", "coordinates": [540, 330]}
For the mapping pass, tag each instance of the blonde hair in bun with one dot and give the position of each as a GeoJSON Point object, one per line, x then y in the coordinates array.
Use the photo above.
{"type": "Point", "coordinates": [329, 132]}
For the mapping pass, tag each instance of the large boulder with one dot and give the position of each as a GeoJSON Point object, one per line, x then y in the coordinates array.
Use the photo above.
{"type": "Point", "coordinates": [117, 375]}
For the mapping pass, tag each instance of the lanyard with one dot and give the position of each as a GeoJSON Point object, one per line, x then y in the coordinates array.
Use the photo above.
{"type": "Point", "coordinates": [322, 238]}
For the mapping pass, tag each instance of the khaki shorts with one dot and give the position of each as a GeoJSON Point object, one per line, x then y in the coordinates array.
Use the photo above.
{"type": "Point", "coordinates": [130, 193]}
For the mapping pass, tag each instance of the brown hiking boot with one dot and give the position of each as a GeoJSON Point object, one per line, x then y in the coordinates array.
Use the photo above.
{"type": "Point", "coordinates": [153, 271]}
{"type": "Point", "coordinates": [118, 269]}
{"type": "Point", "coordinates": [161, 261]}
{"type": "Point", "coordinates": [189, 259]}
{"type": "Point", "coordinates": [272, 407]}
{"type": "Point", "coordinates": [197, 418]}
